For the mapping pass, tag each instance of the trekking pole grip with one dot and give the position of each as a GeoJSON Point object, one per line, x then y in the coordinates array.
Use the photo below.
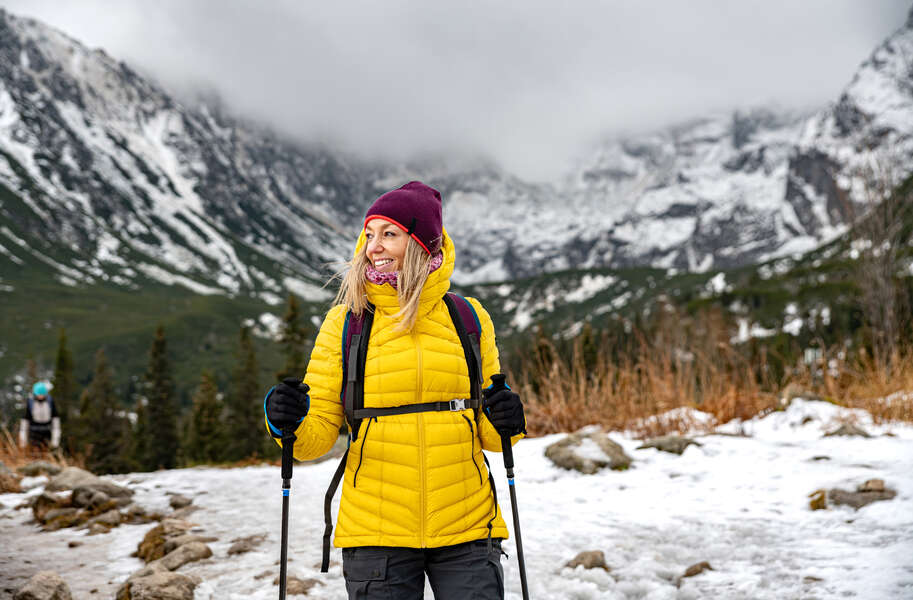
{"type": "Point", "coordinates": [288, 452]}
{"type": "Point", "coordinates": [498, 382]}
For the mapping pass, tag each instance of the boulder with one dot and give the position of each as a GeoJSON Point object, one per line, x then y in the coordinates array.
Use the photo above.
{"type": "Point", "coordinates": [39, 467]}
{"type": "Point", "coordinates": [294, 585]}
{"type": "Point", "coordinates": [848, 429]}
{"type": "Point", "coordinates": [793, 391]}
{"type": "Point", "coordinates": [117, 492]}
{"type": "Point", "coordinates": [73, 477]}
{"type": "Point", "coordinates": [163, 585]}
{"type": "Point", "coordinates": [152, 547]}
{"type": "Point", "coordinates": [697, 569]}
{"type": "Point", "coordinates": [70, 478]}
{"type": "Point", "coordinates": [87, 496]}
{"type": "Point", "coordinates": [674, 444]}
{"type": "Point", "coordinates": [136, 515]}
{"type": "Point", "coordinates": [150, 569]}
{"type": "Point", "coordinates": [184, 513]}
{"type": "Point", "coordinates": [818, 500]}
{"type": "Point", "coordinates": [178, 501]}
{"type": "Point", "coordinates": [44, 585]}
{"type": "Point", "coordinates": [590, 559]}
{"type": "Point", "coordinates": [872, 485]}
{"type": "Point", "coordinates": [180, 540]}
{"type": "Point", "coordinates": [98, 528]}
{"type": "Point", "coordinates": [190, 552]}
{"type": "Point", "coordinates": [109, 519]}
{"type": "Point", "coordinates": [58, 518]}
{"type": "Point", "coordinates": [46, 502]}
{"type": "Point", "coordinates": [246, 544]}
{"type": "Point", "coordinates": [563, 453]}
{"type": "Point", "coordinates": [9, 481]}
{"type": "Point", "coordinates": [858, 499]}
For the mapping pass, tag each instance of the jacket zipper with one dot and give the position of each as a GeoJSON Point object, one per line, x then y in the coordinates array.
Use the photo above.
{"type": "Point", "coordinates": [472, 443]}
{"type": "Point", "coordinates": [421, 440]}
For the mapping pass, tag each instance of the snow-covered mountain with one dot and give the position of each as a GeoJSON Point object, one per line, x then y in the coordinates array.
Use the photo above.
{"type": "Point", "coordinates": [114, 180]}
{"type": "Point", "coordinates": [721, 191]}
{"type": "Point", "coordinates": [706, 193]}
{"type": "Point", "coordinates": [864, 140]}
{"type": "Point", "coordinates": [106, 177]}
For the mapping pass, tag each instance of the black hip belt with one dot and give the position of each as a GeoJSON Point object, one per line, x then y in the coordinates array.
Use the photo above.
{"type": "Point", "coordinates": [457, 404]}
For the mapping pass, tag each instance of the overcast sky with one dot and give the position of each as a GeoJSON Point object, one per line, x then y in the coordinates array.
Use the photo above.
{"type": "Point", "coordinates": [528, 83]}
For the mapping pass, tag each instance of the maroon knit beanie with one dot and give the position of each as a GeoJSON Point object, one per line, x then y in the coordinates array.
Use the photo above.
{"type": "Point", "coordinates": [416, 209]}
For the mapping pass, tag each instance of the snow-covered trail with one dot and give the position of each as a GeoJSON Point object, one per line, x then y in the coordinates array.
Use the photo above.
{"type": "Point", "coordinates": [740, 503]}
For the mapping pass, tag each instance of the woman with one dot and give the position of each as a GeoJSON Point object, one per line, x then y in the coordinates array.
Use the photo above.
{"type": "Point", "coordinates": [416, 494]}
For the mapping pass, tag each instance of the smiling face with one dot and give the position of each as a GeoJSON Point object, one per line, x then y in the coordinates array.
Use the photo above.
{"type": "Point", "coordinates": [386, 245]}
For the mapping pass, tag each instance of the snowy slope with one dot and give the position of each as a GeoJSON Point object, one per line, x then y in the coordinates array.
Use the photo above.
{"type": "Point", "coordinates": [740, 503]}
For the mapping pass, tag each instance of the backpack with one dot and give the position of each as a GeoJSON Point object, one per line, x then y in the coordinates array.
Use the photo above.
{"type": "Point", "coordinates": [355, 335]}
{"type": "Point", "coordinates": [50, 410]}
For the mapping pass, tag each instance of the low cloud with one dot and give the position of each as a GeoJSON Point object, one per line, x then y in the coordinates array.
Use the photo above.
{"type": "Point", "coordinates": [528, 84]}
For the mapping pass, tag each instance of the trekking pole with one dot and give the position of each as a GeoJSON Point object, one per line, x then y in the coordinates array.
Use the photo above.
{"type": "Point", "coordinates": [288, 457]}
{"type": "Point", "coordinates": [507, 450]}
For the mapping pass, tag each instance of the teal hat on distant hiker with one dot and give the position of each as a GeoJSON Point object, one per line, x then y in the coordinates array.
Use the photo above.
{"type": "Point", "coordinates": [40, 389]}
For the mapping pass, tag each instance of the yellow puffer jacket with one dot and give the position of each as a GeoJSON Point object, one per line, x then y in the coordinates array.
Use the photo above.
{"type": "Point", "coordinates": [416, 480]}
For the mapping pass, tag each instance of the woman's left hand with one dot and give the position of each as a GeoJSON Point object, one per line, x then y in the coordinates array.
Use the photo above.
{"type": "Point", "coordinates": [505, 411]}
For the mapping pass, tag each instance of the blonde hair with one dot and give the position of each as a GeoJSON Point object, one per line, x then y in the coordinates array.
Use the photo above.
{"type": "Point", "coordinates": [410, 280]}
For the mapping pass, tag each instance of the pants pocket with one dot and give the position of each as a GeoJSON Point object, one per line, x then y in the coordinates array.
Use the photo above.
{"type": "Point", "coordinates": [365, 577]}
{"type": "Point", "coordinates": [494, 561]}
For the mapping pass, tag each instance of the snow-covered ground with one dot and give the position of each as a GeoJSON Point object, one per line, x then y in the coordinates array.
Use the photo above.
{"type": "Point", "coordinates": [740, 503]}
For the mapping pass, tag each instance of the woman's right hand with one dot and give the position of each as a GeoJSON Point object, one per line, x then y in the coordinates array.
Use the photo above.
{"type": "Point", "coordinates": [287, 404]}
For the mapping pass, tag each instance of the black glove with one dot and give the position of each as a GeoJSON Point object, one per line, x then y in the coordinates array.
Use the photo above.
{"type": "Point", "coordinates": [504, 410]}
{"type": "Point", "coordinates": [287, 405]}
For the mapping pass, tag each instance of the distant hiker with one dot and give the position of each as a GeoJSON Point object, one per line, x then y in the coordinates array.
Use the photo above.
{"type": "Point", "coordinates": [403, 362]}
{"type": "Point", "coordinates": [40, 427]}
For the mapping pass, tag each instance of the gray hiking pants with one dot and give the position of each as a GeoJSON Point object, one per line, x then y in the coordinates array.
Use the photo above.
{"type": "Point", "coordinates": [461, 572]}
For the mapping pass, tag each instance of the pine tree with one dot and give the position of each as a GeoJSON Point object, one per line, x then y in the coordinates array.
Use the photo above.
{"type": "Point", "coordinates": [64, 389]}
{"type": "Point", "coordinates": [293, 339]}
{"type": "Point", "coordinates": [159, 445]}
{"type": "Point", "coordinates": [105, 429]}
{"type": "Point", "coordinates": [244, 418]}
{"type": "Point", "coordinates": [205, 441]}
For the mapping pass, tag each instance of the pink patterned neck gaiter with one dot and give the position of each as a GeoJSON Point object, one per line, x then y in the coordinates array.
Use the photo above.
{"type": "Point", "coordinates": [380, 277]}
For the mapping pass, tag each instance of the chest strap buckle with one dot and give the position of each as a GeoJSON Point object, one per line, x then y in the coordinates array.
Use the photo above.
{"type": "Point", "coordinates": [458, 404]}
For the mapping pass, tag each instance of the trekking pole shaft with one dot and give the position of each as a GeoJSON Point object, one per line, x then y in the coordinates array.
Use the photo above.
{"type": "Point", "coordinates": [288, 450]}
{"type": "Point", "coordinates": [283, 553]}
{"type": "Point", "coordinates": [508, 452]}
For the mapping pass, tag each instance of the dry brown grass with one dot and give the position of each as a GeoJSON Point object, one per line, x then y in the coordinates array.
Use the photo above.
{"type": "Point", "coordinates": [566, 395]}
{"type": "Point", "coordinates": [563, 393]}
{"type": "Point", "coordinates": [884, 390]}
{"type": "Point", "coordinates": [13, 456]}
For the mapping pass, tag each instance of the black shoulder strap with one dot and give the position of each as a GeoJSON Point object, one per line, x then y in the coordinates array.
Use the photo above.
{"type": "Point", "coordinates": [471, 343]}
{"type": "Point", "coordinates": [355, 352]}
{"type": "Point", "coordinates": [327, 510]}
